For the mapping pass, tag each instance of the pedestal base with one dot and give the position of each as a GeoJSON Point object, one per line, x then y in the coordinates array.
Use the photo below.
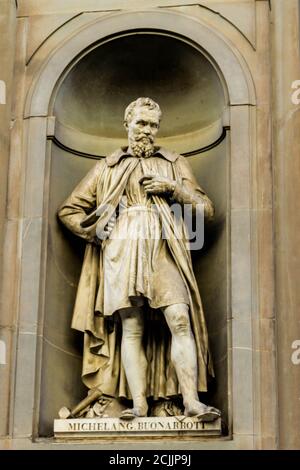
{"type": "Point", "coordinates": [104, 427]}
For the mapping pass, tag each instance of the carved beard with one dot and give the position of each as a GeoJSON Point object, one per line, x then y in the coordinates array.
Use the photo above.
{"type": "Point", "coordinates": [142, 147]}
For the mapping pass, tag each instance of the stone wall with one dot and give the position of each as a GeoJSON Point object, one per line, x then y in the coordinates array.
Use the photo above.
{"type": "Point", "coordinates": [255, 52]}
{"type": "Point", "coordinates": [7, 318]}
{"type": "Point", "coordinates": [286, 172]}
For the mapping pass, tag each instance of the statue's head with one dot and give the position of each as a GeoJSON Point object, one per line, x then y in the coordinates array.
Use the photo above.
{"type": "Point", "coordinates": [141, 120]}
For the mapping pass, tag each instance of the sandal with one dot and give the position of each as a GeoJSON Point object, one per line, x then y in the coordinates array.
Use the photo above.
{"type": "Point", "coordinates": [209, 415]}
{"type": "Point", "coordinates": [130, 414]}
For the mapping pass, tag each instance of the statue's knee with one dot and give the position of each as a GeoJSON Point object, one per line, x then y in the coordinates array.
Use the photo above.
{"type": "Point", "coordinates": [180, 324]}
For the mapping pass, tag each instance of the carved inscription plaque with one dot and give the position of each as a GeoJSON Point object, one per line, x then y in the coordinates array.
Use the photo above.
{"type": "Point", "coordinates": [108, 426]}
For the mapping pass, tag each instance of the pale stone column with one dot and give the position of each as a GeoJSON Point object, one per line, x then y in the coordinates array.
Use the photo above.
{"type": "Point", "coordinates": [7, 53]}
{"type": "Point", "coordinates": [286, 166]}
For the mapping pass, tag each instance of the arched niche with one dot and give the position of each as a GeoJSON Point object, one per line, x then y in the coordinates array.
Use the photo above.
{"type": "Point", "coordinates": [88, 109]}
{"type": "Point", "coordinates": [59, 349]}
{"type": "Point", "coordinates": [89, 103]}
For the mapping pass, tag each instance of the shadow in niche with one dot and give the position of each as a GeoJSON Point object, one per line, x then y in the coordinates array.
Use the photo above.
{"type": "Point", "coordinates": [211, 268]}
{"type": "Point", "coordinates": [93, 96]}
{"type": "Point", "coordinates": [91, 102]}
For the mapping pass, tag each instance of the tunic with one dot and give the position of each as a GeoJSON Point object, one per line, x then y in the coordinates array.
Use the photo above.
{"type": "Point", "coordinates": [137, 262]}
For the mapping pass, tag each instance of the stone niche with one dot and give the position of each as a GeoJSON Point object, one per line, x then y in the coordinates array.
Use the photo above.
{"type": "Point", "coordinates": [88, 111]}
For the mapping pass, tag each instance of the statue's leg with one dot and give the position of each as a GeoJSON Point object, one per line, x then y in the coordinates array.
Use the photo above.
{"type": "Point", "coordinates": [134, 359]}
{"type": "Point", "coordinates": [184, 358]}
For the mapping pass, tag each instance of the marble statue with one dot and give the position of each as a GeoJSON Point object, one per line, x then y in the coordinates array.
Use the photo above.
{"type": "Point", "coordinates": [138, 304]}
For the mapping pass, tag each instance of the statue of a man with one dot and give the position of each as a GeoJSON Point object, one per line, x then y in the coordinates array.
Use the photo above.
{"type": "Point", "coordinates": [138, 302]}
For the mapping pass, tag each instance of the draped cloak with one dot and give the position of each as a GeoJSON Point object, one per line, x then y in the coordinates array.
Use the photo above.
{"type": "Point", "coordinates": [87, 212]}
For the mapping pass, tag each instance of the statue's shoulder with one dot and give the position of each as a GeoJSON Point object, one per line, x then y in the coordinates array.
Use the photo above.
{"type": "Point", "coordinates": [100, 163]}
{"type": "Point", "coordinates": [176, 158]}
{"type": "Point", "coordinates": [97, 169]}
{"type": "Point", "coordinates": [94, 173]}
{"type": "Point", "coordinates": [169, 155]}
{"type": "Point", "coordinates": [114, 158]}
{"type": "Point", "coordinates": [183, 167]}
{"type": "Point", "coordinates": [182, 160]}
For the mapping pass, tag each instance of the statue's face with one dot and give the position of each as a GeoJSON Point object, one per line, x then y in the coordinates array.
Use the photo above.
{"type": "Point", "coordinates": [143, 126]}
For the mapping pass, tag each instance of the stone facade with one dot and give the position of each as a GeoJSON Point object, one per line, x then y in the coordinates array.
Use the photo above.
{"type": "Point", "coordinates": [250, 52]}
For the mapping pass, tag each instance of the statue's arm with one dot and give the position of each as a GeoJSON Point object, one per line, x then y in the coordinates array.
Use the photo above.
{"type": "Point", "coordinates": [81, 202]}
{"type": "Point", "coordinates": [188, 191]}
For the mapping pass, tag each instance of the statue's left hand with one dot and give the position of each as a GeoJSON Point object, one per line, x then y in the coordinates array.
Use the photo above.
{"type": "Point", "coordinates": [155, 184]}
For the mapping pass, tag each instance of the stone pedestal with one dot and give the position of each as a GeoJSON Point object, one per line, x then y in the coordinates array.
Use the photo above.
{"type": "Point", "coordinates": [107, 427]}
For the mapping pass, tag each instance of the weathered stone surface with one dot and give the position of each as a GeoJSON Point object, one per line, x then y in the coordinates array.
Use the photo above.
{"type": "Point", "coordinates": [7, 48]}
{"type": "Point", "coordinates": [40, 7]}
{"type": "Point", "coordinates": [40, 28]}
{"type": "Point", "coordinates": [250, 175]}
{"type": "Point", "coordinates": [287, 213]}
{"type": "Point", "coordinates": [77, 428]}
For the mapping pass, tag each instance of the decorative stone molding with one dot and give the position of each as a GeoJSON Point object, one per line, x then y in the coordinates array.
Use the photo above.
{"type": "Point", "coordinates": [230, 65]}
{"type": "Point", "coordinates": [239, 91]}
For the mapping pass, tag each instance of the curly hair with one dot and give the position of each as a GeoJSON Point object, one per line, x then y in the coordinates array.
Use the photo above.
{"type": "Point", "coordinates": [143, 103]}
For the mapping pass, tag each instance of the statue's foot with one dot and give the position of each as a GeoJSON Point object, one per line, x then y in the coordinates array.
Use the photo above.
{"type": "Point", "coordinates": [202, 412]}
{"type": "Point", "coordinates": [132, 413]}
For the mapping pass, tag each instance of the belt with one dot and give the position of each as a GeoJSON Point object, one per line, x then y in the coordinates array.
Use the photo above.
{"type": "Point", "coordinates": [138, 207]}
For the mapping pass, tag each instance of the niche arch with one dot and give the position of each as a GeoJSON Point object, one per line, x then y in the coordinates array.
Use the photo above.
{"type": "Point", "coordinates": [236, 80]}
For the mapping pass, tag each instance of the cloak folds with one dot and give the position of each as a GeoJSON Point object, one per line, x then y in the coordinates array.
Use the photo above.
{"type": "Point", "coordinates": [88, 209]}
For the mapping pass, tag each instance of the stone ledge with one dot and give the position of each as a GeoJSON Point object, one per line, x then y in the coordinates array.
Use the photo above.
{"type": "Point", "coordinates": [103, 427]}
